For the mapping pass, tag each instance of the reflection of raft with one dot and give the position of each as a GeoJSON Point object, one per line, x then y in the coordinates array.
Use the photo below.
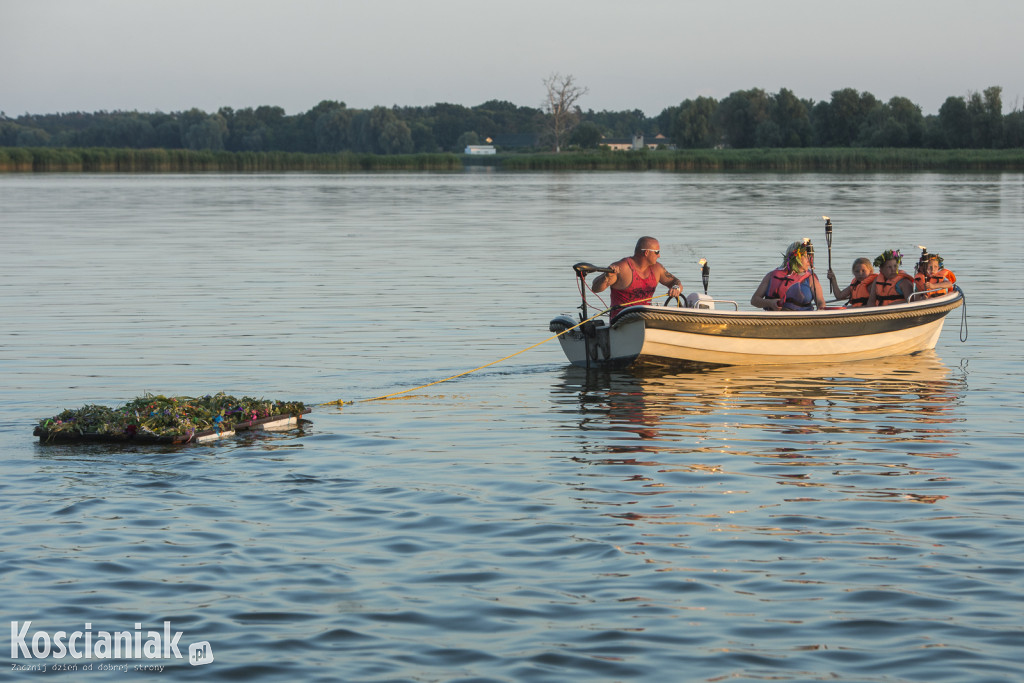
{"type": "Point", "coordinates": [179, 420]}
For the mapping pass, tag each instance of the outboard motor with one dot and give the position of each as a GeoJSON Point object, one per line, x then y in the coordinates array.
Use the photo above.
{"type": "Point", "coordinates": [699, 300]}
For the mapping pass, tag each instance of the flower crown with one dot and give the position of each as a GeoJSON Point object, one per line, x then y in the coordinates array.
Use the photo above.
{"type": "Point", "coordinates": [791, 259]}
{"type": "Point", "coordinates": [887, 255]}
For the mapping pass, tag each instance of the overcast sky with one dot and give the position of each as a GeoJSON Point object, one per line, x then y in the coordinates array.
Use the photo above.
{"type": "Point", "coordinates": [172, 55]}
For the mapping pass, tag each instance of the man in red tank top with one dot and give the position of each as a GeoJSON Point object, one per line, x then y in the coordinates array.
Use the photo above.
{"type": "Point", "coordinates": [634, 278]}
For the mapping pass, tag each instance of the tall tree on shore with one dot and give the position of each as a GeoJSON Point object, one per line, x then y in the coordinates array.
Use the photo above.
{"type": "Point", "coordinates": [792, 116]}
{"type": "Point", "coordinates": [986, 114]}
{"type": "Point", "coordinates": [839, 123]}
{"type": "Point", "coordinates": [560, 106]}
{"type": "Point", "coordinates": [332, 128]}
{"type": "Point", "coordinates": [954, 123]}
{"type": "Point", "coordinates": [201, 131]}
{"type": "Point", "coordinates": [693, 125]}
{"type": "Point", "coordinates": [740, 115]}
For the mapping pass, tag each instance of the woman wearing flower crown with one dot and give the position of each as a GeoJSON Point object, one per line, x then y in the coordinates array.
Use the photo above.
{"type": "Point", "coordinates": [892, 286]}
{"type": "Point", "coordinates": [793, 286]}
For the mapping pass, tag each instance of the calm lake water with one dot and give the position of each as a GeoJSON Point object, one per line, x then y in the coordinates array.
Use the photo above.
{"type": "Point", "coordinates": [526, 522]}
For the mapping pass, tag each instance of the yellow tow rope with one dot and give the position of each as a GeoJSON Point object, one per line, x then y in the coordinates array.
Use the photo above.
{"type": "Point", "coordinates": [342, 402]}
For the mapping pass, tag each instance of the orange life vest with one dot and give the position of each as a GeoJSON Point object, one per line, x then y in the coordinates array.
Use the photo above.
{"type": "Point", "coordinates": [888, 292]}
{"type": "Point", "coordinates": [795, 291]}
{"type": "Point", "coordinates": [861, 290]}
{"type": "Point", "coordinates": [923, 282]}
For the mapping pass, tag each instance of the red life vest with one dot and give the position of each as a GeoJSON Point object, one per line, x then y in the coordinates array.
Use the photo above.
{"type": "Point", "coordinates": [861, 290]}
{"type": "Point", "coordinates": [923, 282]}
{"type": "Point", "coordinates": [888, 292]}
{"type": "Point", "coordinates": [782, 280]}
{"type": "Point", "coordinates": [638, 293]}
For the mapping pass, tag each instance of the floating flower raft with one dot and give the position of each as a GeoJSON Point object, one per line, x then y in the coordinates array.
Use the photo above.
{"type": "Point", "coordinates": [175, 420]}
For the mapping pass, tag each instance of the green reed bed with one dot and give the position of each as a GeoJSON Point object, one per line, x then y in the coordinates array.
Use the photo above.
{"type": "Point", "coordinates": [101, 159]}
{"type": "Point", "coordinates": [787, 160]}
{"type": "Point", "coordinates": [51, 159]}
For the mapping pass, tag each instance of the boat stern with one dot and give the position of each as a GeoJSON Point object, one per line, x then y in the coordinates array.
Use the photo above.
{"type": "Point", "coordinates": [591, 344]}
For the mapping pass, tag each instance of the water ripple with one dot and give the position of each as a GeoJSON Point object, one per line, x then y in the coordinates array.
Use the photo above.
{"type": "Point", "coordinates": [855, 522]}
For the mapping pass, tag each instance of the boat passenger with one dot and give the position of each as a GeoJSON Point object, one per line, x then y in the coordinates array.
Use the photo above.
{"type": "Point", "coordinates": [858, 291]}
{"type": "Point", "coordinates": [892, 286]}
{"type": "Point", "coordinates": [793, 286]}
{"type": "Point", "coordinates": [933, 277]}
{"type": "Point", "coordinates": [635, 278]}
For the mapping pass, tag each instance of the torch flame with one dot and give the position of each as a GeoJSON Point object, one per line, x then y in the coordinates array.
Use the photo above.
{"type": "Point", "coordinates": [921, 247]}
{"type": "Point", "coordinates": [825, 218]}
{"type": "Point", "coordinates": [702, 262]}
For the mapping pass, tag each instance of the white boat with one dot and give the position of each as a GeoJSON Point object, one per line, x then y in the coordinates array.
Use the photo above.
{"type": "Point", "coordinates": [715, 332]}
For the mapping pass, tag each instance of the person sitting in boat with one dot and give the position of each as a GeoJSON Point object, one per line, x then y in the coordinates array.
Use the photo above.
{"type": "Point", "coordinates": [859, 289]}
{"type": "Point", "coordinates": [635, 278]}
{"type": "Point", "coordinates": [933, 278]}
{"type": "Point", "coordinates": [892, 286]}
{"type": "Point", "coordinates": [793, 286]}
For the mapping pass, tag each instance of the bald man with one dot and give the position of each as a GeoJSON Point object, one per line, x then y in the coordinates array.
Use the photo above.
{"type": "Point", "coordinates": [634, 278]}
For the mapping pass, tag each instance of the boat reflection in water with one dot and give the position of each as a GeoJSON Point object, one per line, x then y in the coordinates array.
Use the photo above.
{"type": "Point", "coordinates": [886, 417]}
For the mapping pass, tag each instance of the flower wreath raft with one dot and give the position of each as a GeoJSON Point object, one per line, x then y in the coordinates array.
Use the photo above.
{"type": "Point", "coordinates": [177, 420]}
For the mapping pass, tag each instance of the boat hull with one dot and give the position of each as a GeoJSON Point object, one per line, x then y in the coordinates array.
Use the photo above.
{"type": "Point", "coordinates": [674, 336]}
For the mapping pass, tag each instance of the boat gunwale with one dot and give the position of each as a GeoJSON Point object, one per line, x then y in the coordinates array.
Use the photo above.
{"type": "Point", "coordinates": [833, 316]}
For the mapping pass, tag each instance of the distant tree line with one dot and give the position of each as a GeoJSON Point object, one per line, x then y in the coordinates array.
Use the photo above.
{"type": "Point", "coordinates": [754, 118]}
{"type": "Point", "coordinates": [744, 119]}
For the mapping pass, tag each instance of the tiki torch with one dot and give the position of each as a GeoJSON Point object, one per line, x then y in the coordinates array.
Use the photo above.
{"type": "Point", "coordinates": [705, 273]}
{"type": "Point", "coordinates": [922, 263]}
{"type": "Point", "coordinates": [828, 241]}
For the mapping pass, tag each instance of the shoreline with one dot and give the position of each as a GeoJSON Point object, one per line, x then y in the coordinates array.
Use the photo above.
{"type": "Point", "coordinates": [790, 160]}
